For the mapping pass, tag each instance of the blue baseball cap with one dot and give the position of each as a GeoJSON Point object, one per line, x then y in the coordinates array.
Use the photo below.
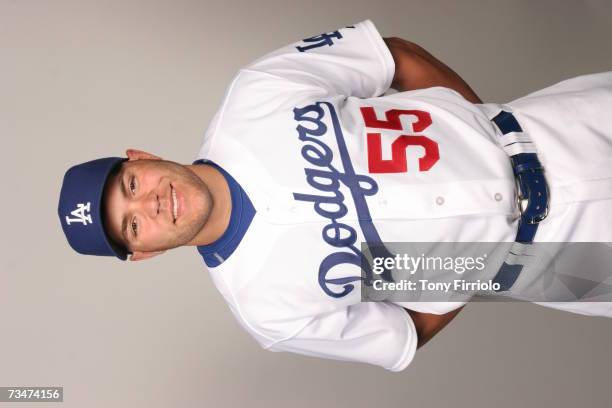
{"type": "Point", "coordinates": [80, 208]}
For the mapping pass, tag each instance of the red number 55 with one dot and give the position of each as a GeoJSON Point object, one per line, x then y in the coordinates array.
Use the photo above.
{"type": "Point", "coordinates": [398, 162]}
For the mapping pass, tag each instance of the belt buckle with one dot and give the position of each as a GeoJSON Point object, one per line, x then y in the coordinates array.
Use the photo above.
{"type": "Point", "coordinates": [532, 210]}
{"type": "Point", "coordinates": [521, 201]}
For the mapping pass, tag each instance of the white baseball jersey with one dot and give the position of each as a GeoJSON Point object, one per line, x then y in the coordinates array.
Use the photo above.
{"type": "Point", "coordinates": [318, 161]}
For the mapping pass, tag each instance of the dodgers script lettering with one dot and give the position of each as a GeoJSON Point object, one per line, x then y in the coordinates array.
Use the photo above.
{"type": "Point", "coordinates": [329, 202]}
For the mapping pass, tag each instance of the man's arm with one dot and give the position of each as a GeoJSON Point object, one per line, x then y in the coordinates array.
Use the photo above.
{"type": "Point", "coordinates": [428, 325]}
{"type": "Point", "coordinates": [416, 68]}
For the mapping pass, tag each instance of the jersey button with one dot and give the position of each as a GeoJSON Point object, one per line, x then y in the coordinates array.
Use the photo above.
{"type": "Point", "coordinates": [440, 200]}
{"type": "Point", "coordinates": [498, 197]}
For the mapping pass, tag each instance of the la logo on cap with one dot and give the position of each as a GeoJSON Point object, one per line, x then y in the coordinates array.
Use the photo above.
{"type": "Point", "coordinates": [81, 214]}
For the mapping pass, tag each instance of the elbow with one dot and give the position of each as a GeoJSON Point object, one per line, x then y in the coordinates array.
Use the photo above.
{"type": "Point", "coordinates": [409, 64]}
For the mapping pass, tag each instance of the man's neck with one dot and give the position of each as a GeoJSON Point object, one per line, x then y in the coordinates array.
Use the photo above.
{"type": "Point", "coordinates": [219, 218]}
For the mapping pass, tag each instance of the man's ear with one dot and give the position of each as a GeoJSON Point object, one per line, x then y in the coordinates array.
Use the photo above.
{"type": "Point", "coordinates": [135, 154]}
{"type": "Point", "coordinates": [139, 256]}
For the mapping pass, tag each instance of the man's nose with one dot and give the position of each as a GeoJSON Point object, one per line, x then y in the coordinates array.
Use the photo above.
{"type": "Point", "coordinates": [149, 204]}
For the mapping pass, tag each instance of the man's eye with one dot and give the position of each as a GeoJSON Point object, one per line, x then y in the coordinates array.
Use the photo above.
{"type": "Point", "coordinates": [134, 227]}
{"type": "Point", "coordinates": [132, 185]}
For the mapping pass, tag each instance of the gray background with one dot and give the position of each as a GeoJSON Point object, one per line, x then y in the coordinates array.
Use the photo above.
{"type": "Point", "coordinates": [83, 79]}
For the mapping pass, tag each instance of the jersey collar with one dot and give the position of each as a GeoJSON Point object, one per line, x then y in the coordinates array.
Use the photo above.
{"type": "Point", "coordinates": [242, 214]}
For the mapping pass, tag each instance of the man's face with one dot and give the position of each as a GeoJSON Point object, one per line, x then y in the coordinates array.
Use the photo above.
{"type": "Point", "coordinates": [154, 205]}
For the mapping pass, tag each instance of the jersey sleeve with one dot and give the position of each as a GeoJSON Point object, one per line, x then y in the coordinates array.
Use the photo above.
{"type": "Point", "coordinates": [376, 333]}
{"type": "Point", "coordinates": [351, 61]}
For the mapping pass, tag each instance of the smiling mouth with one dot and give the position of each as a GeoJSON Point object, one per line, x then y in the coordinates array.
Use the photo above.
{"type": "Point", "coordinates": [174, 204]}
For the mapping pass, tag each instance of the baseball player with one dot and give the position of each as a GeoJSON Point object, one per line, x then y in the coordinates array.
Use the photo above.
{"type": "Point", "coordinates": [307, 158]}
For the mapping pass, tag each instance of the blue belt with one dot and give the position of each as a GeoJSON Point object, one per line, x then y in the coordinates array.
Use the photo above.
{"type": "Point", "coordinates": [532, 198]}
